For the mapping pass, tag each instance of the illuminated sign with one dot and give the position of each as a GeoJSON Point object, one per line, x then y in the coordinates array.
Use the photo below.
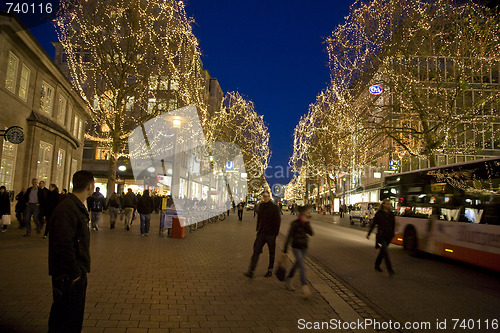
{"type": "Point", "coordinates": [229, 165]}
{"type": "Point", "coordinates": [376, 90]}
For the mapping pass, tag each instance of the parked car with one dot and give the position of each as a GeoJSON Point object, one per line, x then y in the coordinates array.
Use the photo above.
{"type": "Point", "coordinates": [360, 212]}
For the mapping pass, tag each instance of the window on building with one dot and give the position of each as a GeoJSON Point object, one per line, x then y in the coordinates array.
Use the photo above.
{"type": "Point", "coordinates": [129, 105]}
{"type": "Point", "coordinates": [11, 77]}
{"type": "Point", "coordinates": [174, 84]}
{"type": "Point", "coordinates": [44, 163]}
{"type": "Point", "coordinates": [7, 166]}
{"type": "Point", "coordinates": [72, 170]}
{"type": "Point", "coordinates": [102, 153]}
{"type": "Point", "coordinates": [172, 104]}
{"type": "Point", "coordinates": [151, 104]}
{"type": "Point", "coordinates": [96, 102]}
{"type": "Point", "coordinates": [24, 83]}
{"type": "Point", "coordinates": [47, 98]}
{"type": "Point", "coordinates": [80, 130]}
{"type": "Point", "coordinates": [496, 136]}
{"type": "Point", "coordinates": [64, 57]}
{"type": "Point", "coordinates": [75, 126]}
{"type": "Point", "coordinates": [68, 118]}
{"type": "Point", "coordinates": [61, 113]}
{"type": "Point", "coordinates": [87, 152]}
{"type": "Point", "coordinates": [59, 171]}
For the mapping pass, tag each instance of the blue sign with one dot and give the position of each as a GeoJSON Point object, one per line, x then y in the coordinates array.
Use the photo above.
{"type": "Point", "coordinates": [393, 165]}
{"type": "Point", "coordinates": [376, 90]}
{"type": "Point", "coordinates": [229, 165]}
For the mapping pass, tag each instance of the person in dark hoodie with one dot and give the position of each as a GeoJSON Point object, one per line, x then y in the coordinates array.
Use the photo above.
{"type": "Point", "coordinates": [297, 236]}
{"type": "Point", "coordinates": [4, 205]}
{"type": "Point", "coordinates": [52, 201]}
{"type": "Point", "coordinates": [385, 221]}
{"type": "Point", "coordinates": [145, 206]}
{"type": "Point", "coordinates": [96, 204]}
{"type": "Point", "coordinates": [69, 256]}
{"type": "Point", "coordinates": [268, 228]}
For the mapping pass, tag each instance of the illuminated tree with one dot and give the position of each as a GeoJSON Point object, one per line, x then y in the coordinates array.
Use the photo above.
{"type": "Point", "coordinates": [130, 61]}
{"type": "Point", "coordinates": [438, 64]}
{"type": "Point", "coordinates": [237, 121]}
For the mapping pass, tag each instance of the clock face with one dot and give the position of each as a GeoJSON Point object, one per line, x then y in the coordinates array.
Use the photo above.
{"type": "Point", "coordinates": [14, 134]}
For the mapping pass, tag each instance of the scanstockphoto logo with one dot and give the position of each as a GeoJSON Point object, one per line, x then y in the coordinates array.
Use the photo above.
{"type": "Point", "coordinates": [170, 152]}
{"type": "Point", "coordinates": [33, 12]}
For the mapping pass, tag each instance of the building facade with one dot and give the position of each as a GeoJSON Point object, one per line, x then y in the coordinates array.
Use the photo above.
{"type": "Point", "coordinates": [37, 97]}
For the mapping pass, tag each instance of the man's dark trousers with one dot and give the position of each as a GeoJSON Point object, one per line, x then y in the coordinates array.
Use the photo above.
{"type": "Point", "coordinates": [260, 241]}
{"type": "Point", "coordinates": [66, 314]}
{"type": "Point", "coordinates": [240, 215]}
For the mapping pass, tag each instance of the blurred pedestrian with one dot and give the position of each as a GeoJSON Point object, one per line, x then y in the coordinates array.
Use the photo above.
{"type": "Point", "coordinates": [385, 222]}
{"type": "Point", "coordinates": [297, 237]}
{"type": "Point", "coordinates": [240, 211]}
{"type": "Point", "coordinates": [145, 206]}
{"type": "Point", "coordinates": [268, 227]}
{"type": "Point", "coordinates": [21, 207]}
{"type": "Point", "coordinates": [4, 208]}
{"type": "Point", "coordinates": [69, 256]}
{"type": "Point", "coordinates": [52, 200]}
{"type": "Point", "coordinates": [129, 205]}
{"type": "Point", "coordinates": [113, 207]}
{"type": "Point", "coordinates": [96, 203]}
{"type": "Point", "coordinates": [43, 200]}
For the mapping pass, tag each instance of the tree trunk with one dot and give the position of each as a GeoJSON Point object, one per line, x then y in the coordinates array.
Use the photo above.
{"type": "Point", "coordinates": [113, 161]}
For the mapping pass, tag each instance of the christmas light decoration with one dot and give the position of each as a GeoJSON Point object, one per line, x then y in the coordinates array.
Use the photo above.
{"type": "Point", "coordinates": [130, 61]}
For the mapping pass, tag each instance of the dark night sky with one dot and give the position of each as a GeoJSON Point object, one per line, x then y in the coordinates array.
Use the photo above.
{"type": "Point", "coordinates": [271, 51]}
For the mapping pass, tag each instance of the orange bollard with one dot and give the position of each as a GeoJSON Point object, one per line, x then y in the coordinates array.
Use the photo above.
{"type": "Point", "coordinates": [178, 231]}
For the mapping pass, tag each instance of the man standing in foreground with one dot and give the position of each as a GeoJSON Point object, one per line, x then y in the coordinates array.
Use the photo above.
{"type": "Point", "coordinates": [268, 228]}
{"type": "Point", "coordinates": [69, 256]}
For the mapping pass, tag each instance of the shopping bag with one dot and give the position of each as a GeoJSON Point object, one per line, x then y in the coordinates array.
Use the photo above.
{"type": "Point", "coordinates": [6, 219]}
{"type": "Point", "coordinates": [281, 269]}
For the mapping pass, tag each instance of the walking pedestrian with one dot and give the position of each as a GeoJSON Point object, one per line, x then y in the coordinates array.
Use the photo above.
{"type": "Point", "coordinates": [4, 206]}
{"type": "Point", "coordinates": [21, 207]}
{"type": "Point", "coordinates": [129, 205]}
{"type": "Point", "coordinates": [385, 221]}
{"type": "Point", "coordinates": [240, 211]}
{"type": "Point", "coordinates": [145, 206]}
{"type": "Point", "coordinates": [43, 200]}
{"type": "Point", "coordinates": [268, 227]}
{"type": "Point", "coordinates": [52, 200]}
{"type": "Point", "coordinates": [96, 203]}
{"type": "Point", "coordinates": [113, 207]}
{"type": "Point", "coordinates": [297, 237]}
{"type": "Point", "coordinates": [32, 198]}
{"type": "Point", "coordinates": [69, 256]}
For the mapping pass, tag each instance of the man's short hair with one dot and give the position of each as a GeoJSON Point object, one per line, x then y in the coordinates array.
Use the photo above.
{"type": "Point", "coordinates": [82, 179]}
{"type": "Point", "coordinates": [97, 189]}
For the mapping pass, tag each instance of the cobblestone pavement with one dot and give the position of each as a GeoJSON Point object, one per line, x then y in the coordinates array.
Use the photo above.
{"type": "Point", "coordinates": [162, 284]}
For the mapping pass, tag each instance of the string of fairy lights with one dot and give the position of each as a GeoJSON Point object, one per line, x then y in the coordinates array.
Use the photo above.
{"type": "Point", "coordinates": [438, 64]}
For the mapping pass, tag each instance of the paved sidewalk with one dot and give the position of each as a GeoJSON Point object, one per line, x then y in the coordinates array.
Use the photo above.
{"type": "Point", "coordinates": [158, 284]}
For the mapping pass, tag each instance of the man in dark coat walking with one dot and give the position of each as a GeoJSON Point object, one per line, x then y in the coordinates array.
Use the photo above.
{"type": "Point", "coordinates": [69, 256]}
{"type": "Point", "coordinates": [268, 228]}
{"type": "Point", "coordinates": [385, 221]}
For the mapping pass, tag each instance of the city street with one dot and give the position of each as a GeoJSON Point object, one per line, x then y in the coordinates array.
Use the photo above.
{"type": "Point", "coordinates": [196, 284]}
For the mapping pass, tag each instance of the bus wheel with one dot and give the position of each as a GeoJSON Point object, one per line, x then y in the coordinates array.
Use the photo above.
{"type": "Point", "coordinates": [351, 220]}
{"type": "Point", "coordinates": [410, 241]}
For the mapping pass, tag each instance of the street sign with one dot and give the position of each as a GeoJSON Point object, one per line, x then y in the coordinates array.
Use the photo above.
{"type": "Point", "coordinates": [229, 165]}
{"type": "Point", "coordinates": [393, 165]}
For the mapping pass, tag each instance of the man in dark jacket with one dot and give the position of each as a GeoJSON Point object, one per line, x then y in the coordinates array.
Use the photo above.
{"type": "Point", "coordinates": [385, 221]}
{"type": "Point", "coordinates": [69, 256]}
{"type": "Point", "coordinates": [129, 204]}
{"type": "Point", "coordinates": [268, 228]}
{"type": "Point", "coordinates": [33, 199]}
{"type": "Point", "coordinates": [21, 207]}
{"type": "Point", "coordinates": [145, 207]}
{"type": "Point", "coordinates": [96, 203]}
